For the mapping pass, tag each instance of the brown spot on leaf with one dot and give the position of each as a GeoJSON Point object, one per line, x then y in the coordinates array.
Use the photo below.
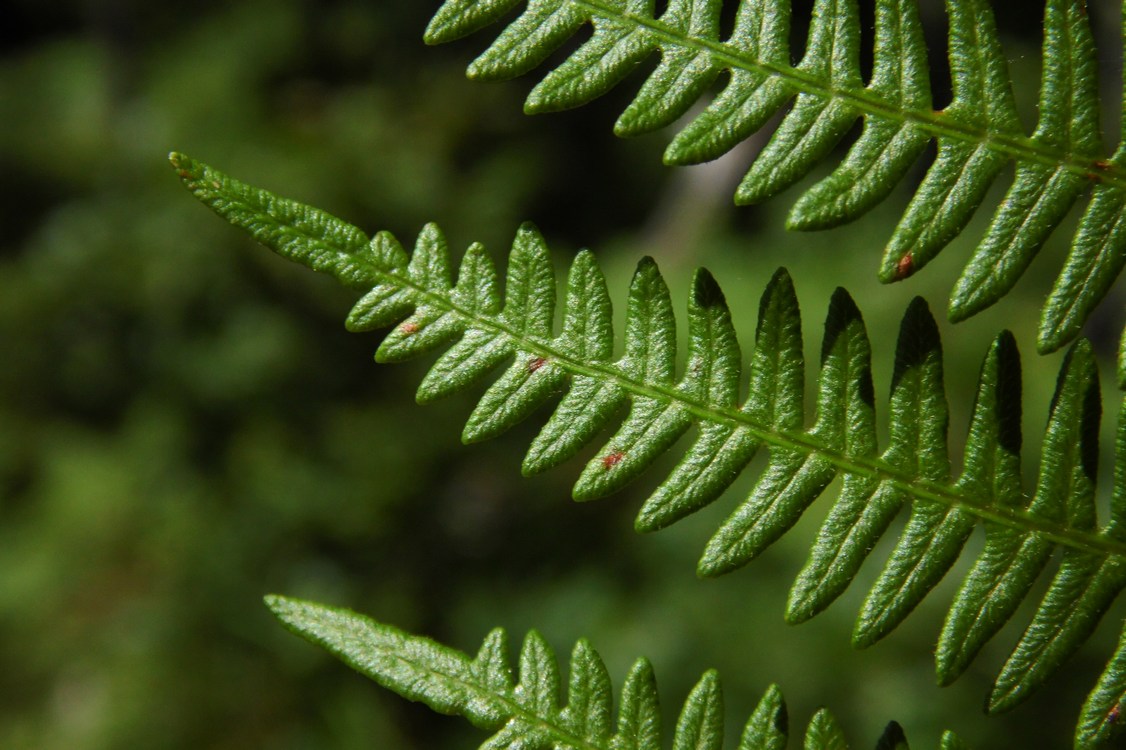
{"type": "Point", "coordinates": [905, 267]}
{"type": "Point", "coordinates": [408, 328]}
{"type": "Point", "coordinates": [535, 363]}
{"type": "Point", "coordinates": [612, 459]}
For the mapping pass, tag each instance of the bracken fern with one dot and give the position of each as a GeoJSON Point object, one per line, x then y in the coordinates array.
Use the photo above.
{"type": "Point", "coordinates": [977, 134]}
{"type": "Point", "coordinates": [415, 293]}
{"type": "Point", "coordinates": [523, 709]}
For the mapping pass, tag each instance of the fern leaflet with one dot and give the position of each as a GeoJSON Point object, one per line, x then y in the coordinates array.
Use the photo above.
{"type": "Point", "coordinates": [977, 134]}
{"type": "Point", "coordinates": [521, 707]}
{"type": "Point", "coordinates": [482, 331]}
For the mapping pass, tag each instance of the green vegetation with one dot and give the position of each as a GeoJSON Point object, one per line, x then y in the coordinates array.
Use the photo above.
{"type": "Point", "coordinates": [523, 708]}
{"type": "Point", "coordinates": [977, 133]}
{"type": "Point", "coordinates": [184, 426]}
{"type": "Point", "coordinates": [416, 294]}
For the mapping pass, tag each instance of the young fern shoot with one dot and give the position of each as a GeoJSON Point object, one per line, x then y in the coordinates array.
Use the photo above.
{"type": "Point", "coordinates": [480, 330]}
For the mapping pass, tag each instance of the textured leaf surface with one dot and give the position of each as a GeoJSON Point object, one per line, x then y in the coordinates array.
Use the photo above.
{"type": "Point", "coordinates": [521, 706]}
{"type": "Point", "coordinates": [575, 367]}
{"type": "Point", "coordinates": [977, 134]}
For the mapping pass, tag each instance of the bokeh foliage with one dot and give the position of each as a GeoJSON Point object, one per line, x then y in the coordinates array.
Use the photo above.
{"type": "Point", "coordinates": [185, 425]}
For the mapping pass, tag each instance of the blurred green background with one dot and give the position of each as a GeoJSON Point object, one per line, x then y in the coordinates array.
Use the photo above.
{"type": "Point", "coordinates": [185, 425]}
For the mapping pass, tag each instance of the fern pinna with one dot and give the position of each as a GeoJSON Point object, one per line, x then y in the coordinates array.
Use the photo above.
{"type": "Point", "coordinates": [523, 707]}
{"type": "Point", "coordinates": [416, 294]}
{"type": "Point", "coordinates": [977, 134]}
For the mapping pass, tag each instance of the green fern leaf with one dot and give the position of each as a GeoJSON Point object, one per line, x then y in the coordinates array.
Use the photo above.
{"type": "Point", "coordinates": [824, 731]}
{"type": "Point", "coordinates": [639, 715]}
{"type": "Point", "coordinates": [483, 332]}
{"type": "Point", "coordinates": [977, 134]}
{"type": "Point", "coordinates": [767, 728]}
{"type": "Point", "coordinates": [1100, 720]}
{"type": "Point", "coordinates": [1011, 561]}
{"type": "Point", "coordinates": [1122, 361]}
{"type": "Point", "coordinates": [521, 707]}
{"type": "Point", "coordinates": [1041, 194]}
{"type": "Point", "coordinates": [950, 741]}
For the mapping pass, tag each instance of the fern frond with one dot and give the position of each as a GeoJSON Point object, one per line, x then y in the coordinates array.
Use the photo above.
{"type": "Point", "coordinates": [482, 330]}
{"type": "Point", "coordinates": [521, 706]}
{"type": "Point", "coordinates": [977, 134]}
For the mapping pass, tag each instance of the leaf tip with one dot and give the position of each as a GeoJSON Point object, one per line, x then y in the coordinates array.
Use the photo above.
{"type": "Point", "coordinates": [705, 290]}
{"type": "Point", "coordinates": [282, 607]}
{"type": "Point", "coordinates": [866, 632]}
{"type": "Point", "coordinates": [186, 167]}
{"type": "Point", "coordinates": [893, 737]}
{"type": "Point", "coordinates": [972, 293]}
{"type": "Point", "coordinates": [903, 268]}
{"type": "Point", "coordinates": [951, 741]}
{"type": "Point", "coordinates": [1057, 328]}
{"type": "Point", "coordinates": [781, 276]}
{"type": "Point", "coordinates": [947, 666]}
{"type": "Point", "coordinates": [1009, 690]}
{"type": "Point", "coordinates": [538, 104]}
{"type": "Point", "coordinates": [475, 71]}
{"type": "Point", "coordinates": [959, 309]}
{"type": "Point", "coordinates": [715, 563]}
{"type": "Point", "coordinates": [1049, 339]}
{"type": "Point", "coordinates": [435, 33]}
{"type": "Point", "coordinates": [798, 606]}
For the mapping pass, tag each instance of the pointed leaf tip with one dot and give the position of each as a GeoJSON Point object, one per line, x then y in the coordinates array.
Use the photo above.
{"type": "Point", "coordinates": [185, 166]}
{"type": "Point", "coordinates": [768, 726]}
{"type": "Point", "coordinates": [705, 291]}
{"type": "Point", "coordinates": [288, 609]}
{"type": "Point", "coordinates": [842, 312]}
{"type": "Point", "coordinates": [781, 276]}
{"type": "Point", "coordinates": [893, 738]}
{"type": "Point", "coordinates": [918, 333]}
{"type": "Point", "coordinates": [528, 227]}
{"type": "Point", "coordinates": [700, 726]}
{"type": "Point", "coordinates": [951, 741]}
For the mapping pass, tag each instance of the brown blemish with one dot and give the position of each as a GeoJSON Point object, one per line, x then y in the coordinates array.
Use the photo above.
{"type": "Point", "coordinates": [612, 459]}
{"type": "Point", "coordinates": [905, 267]}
